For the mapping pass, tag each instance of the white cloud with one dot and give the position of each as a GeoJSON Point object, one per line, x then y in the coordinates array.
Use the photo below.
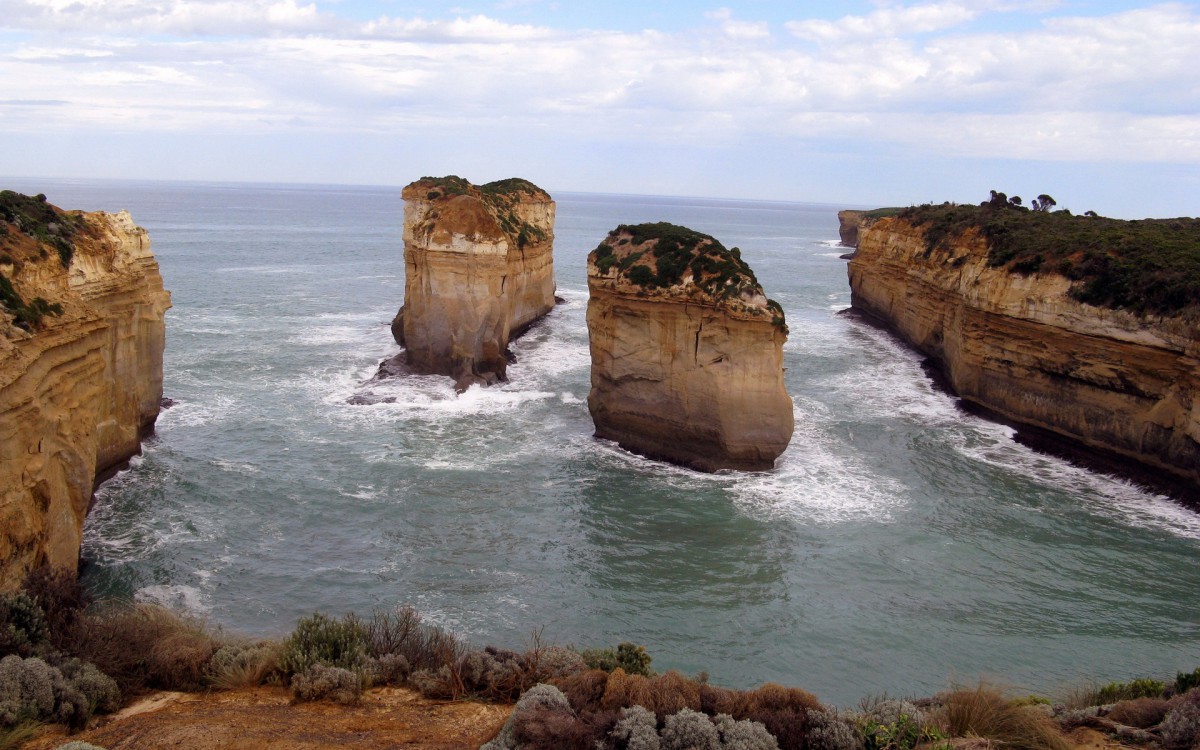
{"type": "Point", "coordinates": [1118, 87]}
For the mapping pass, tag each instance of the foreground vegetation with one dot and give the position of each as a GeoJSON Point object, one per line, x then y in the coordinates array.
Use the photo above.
{"type": "Point", "coordinates": [1148, 266]}
{"type": "Point", "coordinates": [64, 660]}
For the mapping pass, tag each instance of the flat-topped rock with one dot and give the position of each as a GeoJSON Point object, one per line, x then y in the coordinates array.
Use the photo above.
{"type": "Point", "coordinates": [687, 351]}
{"type": "Point", "coordinates": [479, 270]}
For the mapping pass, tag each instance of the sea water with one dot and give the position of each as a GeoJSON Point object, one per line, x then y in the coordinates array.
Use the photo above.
{"type": "Point", "coordinates": [899, 545]}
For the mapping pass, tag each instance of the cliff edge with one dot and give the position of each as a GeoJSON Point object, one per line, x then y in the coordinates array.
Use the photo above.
{"type": "Point", "coordinates": [687, 351]}
{"type": "Point", "coordinates": [479, 270]}
{"type": "Point", "coordinates": [82, 332]}
{"type": "Point", "coordinates": [1083, 327]}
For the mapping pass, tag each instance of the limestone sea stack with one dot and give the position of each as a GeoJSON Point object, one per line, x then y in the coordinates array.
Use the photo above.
{"type": "Point", "coordinates": [82, 331]}
{"type": "Point", "coordinates": [1082, 328]}
{"type": "Point", "coordinates": [479, 270]}
{"type": "Point", "coordinates": [687, 351]}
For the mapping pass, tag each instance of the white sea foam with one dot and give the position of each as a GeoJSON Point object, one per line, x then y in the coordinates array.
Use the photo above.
{"type": "Point", "coordinates": [180, 598]}
{"type": "Point", "coordinates": [189, 414]}
{"type": "Point", "coordinates": [817, 480]}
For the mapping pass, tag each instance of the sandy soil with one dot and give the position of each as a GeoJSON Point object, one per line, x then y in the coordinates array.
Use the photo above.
{"type": "Point", "coordinates": [263, 718]}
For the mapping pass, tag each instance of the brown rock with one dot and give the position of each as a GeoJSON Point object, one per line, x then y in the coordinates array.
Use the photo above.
{"type": "Point", "coordinates": [1021, 347]}
{"type": "Point", "coordinates": [478, 269]}
{"type": "Point", "coordinates": [78, 389]}
{"type": "Point", "coordinates": [687, 365]}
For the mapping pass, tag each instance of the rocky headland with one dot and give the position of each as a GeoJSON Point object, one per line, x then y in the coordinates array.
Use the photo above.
{"type": "Point", "coordinates": [82, 331]}
{"type": "Point", "coordinates": [479, 270]}
{"type": "Point", "coordinates": [851, 223]}
{"type": "Point", "coordinates": [1077, 328]}
{"type": "Point", "coordinates": [687, 351]}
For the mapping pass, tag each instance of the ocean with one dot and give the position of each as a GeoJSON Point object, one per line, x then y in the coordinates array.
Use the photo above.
{"type": "Point", "coordinates": [900, 545]}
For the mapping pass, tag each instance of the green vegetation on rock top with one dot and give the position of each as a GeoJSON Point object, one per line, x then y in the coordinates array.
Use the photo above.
{"type": "Point", "coordinates": [500, 197]}
{"type": "Point", "coordinates": [1150, 266]}
{"type": "Point", "coordinates": [656, 255]}
{"type": "Point", "coordinates": [40, 220]}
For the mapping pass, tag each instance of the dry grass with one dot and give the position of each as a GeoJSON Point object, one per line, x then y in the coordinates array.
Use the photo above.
{"type": "Point", "coordinates": [986, 713]}
{"type": "Point", "coordinates": [1142, 713]}
{"type": "Point", "coordinates": [142, 647]}
{"type": "Point", "coordinates": [12, 738]}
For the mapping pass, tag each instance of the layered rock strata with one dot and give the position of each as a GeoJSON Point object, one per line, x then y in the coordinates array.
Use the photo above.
{"type": "Point", "coordinates": [81, 344]}
{"type": "Point", "coordinates": [479, 270]}
{"type": "Point", "coordinates": [687, 351]}
{"type": "Point", "coordinates": [1019, 345]}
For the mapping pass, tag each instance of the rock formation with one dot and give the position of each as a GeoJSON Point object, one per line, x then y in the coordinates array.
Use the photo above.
{"type": "Point", "coordinates": [1023, 347]}
{"type": "Point", "coordinates": [479, 270]}
{"type": "Point", "coordinates": [851, 223]}
{"type": "Point", "coordinates": [687, 351]}
{"type": "Point", "coordinates": [81, 342]}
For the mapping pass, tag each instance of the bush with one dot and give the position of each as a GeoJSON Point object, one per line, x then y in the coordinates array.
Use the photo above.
{"type": "Point", "coordinates": [22, 625]}
{"type": "Point", "coordinates": [627, 656]}
{"type": "Point", "coordinates": [830, 730]}
{"type": "Point", "coordinates": [61, 596]}
{"type": "Point", "coordinates": [744, 735]}
{"type": "Point", "coordinates": [1142, 713]}
{"type": "Point", "coordinates": [538, 703]}
{"type": "Point", "coordinates": [319, 682]}
{"type": "Point", "coordinates": [323, 640]}
{"type": "Point", "coordinates": [985, 712]}
{"type": "Point", "coordinates": [389, 669]}
{"type": "Point", "coordinates": [1143, 687]}
{"type": "Point", "coordinates": [142, 646]}
{"type": "Point", "coordinates": [32, 690]}
{"type": "Point", "coordinates": [1185, 681]}
{"type": "Point", "coordinates": [636, 730]}
{"type": "Point", "coordinates": [236, 665]}
{"type": "Point", "coordinates": [1180, 728]}
{"type": "Point", "coordinates": [76, 745]}
{"type": "Point", "coordinates": [401, 632]}
{"type": "Point", "coordinates": [689, 730]}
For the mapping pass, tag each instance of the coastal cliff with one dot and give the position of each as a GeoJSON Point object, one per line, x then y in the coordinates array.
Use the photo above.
{"type": "Point", "coordinates": [81, 344]}
{"type": "Point", "coordinates": [1048, 336]}
{"type": "Point", "coordinates": [687, 351]}
{"type": "Point", "coordinates": [479, 270]}
{"type": "Point", "coordinates": [851, 223]}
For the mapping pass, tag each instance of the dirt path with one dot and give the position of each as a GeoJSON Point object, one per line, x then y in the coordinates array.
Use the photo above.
{"type": "Point", "coordinates": [263, 718]}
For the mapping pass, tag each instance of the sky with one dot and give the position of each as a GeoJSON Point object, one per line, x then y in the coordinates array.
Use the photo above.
{"type": "Point", "coordinates": [869, 103]}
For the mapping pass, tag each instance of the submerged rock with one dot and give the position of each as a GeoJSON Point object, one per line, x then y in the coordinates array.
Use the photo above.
{"type": "Point", "coordinates": [687, 351]}
{"type": "Point", "coordinates": [479, 271]}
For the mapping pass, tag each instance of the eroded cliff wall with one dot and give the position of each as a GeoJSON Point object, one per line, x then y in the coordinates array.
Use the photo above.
{"type": "Point", "coordinates": [686, 372]}
{"type": "Point", "coordinates": [479, 269]}
{"type": "Point", "coordinates": [80, 374]}
{"type": "Point", "coordinates": [1020, 346]}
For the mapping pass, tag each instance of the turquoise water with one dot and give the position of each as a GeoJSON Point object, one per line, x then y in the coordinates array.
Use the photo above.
{"type": "Point", "coordinates": [899, 545]}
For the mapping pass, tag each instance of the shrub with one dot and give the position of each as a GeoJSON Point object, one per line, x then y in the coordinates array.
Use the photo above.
{"type": "Point", "coordinates": [32, 690]}
{"type": "Point", "coordinates": [60, 595]}
{"type": "Point", "coordinates": [22, 625]}
{"type": "Point", "coordinates": [744, 735]}
{"type": "Point", "coordinates": [1185, 681]}
{"type": "Point", "coordinates": [985, 712]}
{"type": "Point", "coordinates": [1180, 728]}
{"type": "Point", "coordinates": [320, 682]}
{"type": "Point", "coordinates": [627, 656]}
{"type": "Point", "coordinates": [26, 690]}
{"type": "Point", "coordinates": [142, 646]}
{"type": "Point", "coordinates": [534, 704]}
{"type": "Point", "coordinates": [1142, 713]}
{"type": "Point", "coordinates": [236, 665]}
{"type": "Point", "coordinates": [1143, 687]}
{"type": "Point", "coordinates": [389, 669]}
{"type": "Point", "coordinates": [830, 730]}
{"type": "Point", "coordinates": [401, 632]}
{"type": "Point", "coordinates": [77, 745]}
{"type": "Point", "coordinates": [783, 711]}
{"type": "Point", "coordinates": [689, 730]}
{"type": "Point", "coordinates": [636, 730]}
{"type": "Point", "coordinates": [323, 640]}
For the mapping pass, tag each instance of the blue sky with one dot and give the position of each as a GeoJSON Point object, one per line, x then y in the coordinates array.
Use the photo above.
{"type": "Point", "coordinates": [880, 102]}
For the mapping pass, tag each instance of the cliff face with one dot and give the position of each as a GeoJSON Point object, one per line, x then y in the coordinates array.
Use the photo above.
{"type": "Point", "coordinates": [687, 353]}
{"type": "Point", "coordinates": [848, 225]}
{"type": "Point", "coordinates": [80, 374]}
{"type": "Point", "coordinates": [1022, 347]}
{"type": "Point", "coordinates": [479, 269]}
